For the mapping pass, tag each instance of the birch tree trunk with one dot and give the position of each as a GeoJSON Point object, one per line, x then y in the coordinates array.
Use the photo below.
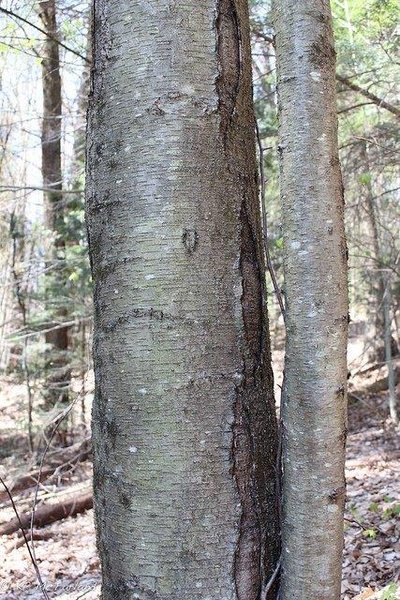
{"type": "Point", "coordinates": [315, 257]}
{"type": "Point", "coordinates": [58, 371]}
{"type": "Point", "coordinates": [184, 426]}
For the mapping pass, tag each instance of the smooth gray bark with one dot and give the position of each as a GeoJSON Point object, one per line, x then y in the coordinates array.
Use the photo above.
{"type": "Point", "coordinates": [184, 425]}
{"type": "Point", "coordinates": [315, 257]}
{"type": "Point", "coordinates": [387, 297]}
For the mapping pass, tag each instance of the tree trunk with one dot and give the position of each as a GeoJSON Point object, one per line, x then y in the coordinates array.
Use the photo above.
{"type": "Point", "coordinates": [377, 338]}
{"type": "Point", "coordinates": [388, 350]}
{"type": "Point", "coordinates": [184, 424]}
{"type": "Point", "coordinates": [58, 371]}
{"type": "Point", "coordinates": [315, 257]}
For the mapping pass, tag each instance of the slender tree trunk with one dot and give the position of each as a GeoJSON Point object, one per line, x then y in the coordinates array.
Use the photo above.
{"type": "Point", "coordinates": [58, 371]}
{"type": "Point", "coordinates": [78, 167]}
{"type": "Point", "coordinates": [387, 297]}
{"type": "Point", "coordinates": [378, 279]}
{"type": "Point", "coordinates": [315, 257]}
{"type": "Point", "coordinates": [184, 425]}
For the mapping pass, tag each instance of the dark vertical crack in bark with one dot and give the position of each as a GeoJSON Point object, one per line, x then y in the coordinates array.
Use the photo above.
{"type": "Point", "coordinates": [230, 61]}
{"type": "Point", "coordinates": [254, 421]}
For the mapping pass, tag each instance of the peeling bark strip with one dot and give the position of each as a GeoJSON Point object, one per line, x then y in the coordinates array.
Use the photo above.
{"type": "Point", "coordinates": [314, 409]}
{"type": "Point", "coordinates": [184, 423]}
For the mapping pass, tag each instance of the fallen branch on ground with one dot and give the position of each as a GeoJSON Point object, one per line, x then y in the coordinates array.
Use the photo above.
{"type": "Point", "coordinates": [50, 513]}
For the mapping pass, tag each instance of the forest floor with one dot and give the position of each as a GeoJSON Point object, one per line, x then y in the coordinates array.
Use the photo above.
{"type": "Point", "coordinates": [67, 558]}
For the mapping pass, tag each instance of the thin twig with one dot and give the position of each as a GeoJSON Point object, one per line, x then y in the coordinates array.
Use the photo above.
{"type": "Point", "coordinates": [60, 419]}
{"type": "Point", "coordinates": [265, 227]}
{"type": "Point", "coordinates": [380, 102]}
{"type": "Point", "coordinates": [272, 578]}
{"type": "Point", "coordinates": [84, 593]}
{"type": "Point", "coordinates": [32, 557]}
{"type": "Point", "coordinates": [10, 13]}
{"type": "Point", "coordinates": [32, 188]}
{"type": "Point", "coordinates": [16, 338]}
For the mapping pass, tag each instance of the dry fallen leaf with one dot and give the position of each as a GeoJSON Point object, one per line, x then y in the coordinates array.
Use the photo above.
{"type": "Point", "coordinates": [367, 593]}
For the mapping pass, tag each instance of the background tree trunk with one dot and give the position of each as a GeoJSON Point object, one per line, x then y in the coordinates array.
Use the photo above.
{"type": "Point", "coordinates": [184, 424]}
{"type": "Point", "coordinates": [378, 281]}
{"type": "Point", "coordinates": [315, 256]}
{"type": "Point", "coordinates": [58, 371]}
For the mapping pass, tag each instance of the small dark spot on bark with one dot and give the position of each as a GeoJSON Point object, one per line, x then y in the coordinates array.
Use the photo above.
{"type": "Point", "coordinates": [330, 230]}
{"type": "Point", "coordinates": [156, 109]}
{"type": "Point", "coordinates": [322, 52]}
{"type": "Point", "coordinates": [344, 251]}
{"type": "Point", "coordinates": [343, 320]}
{"type": "Point", "coordinates": [187, 556]}
{"type": "Point", "coordinates": [112, 431]}
{"type": "Point", "coordinates": [98, 480]}
{"type": "Point", "coordinates": [190, 240]}
{"type": "Point", "coordinates": [132, 588]}
{"type": "Point", "coordinates": [343, 437]}
{"type": "Point", "coordinates": [340, 390]}
{"type": "Point", "coordinates": [175, 95]}
{"type": "Point", "coordinates": [124, 499]}
{"type": "Point", "coordinates": [99, 149]}
{"type": "Point", "coordinates": [112, 164]}
{"type": "Point", "coordinates": [337, 494]}
{"type": "Point", "coordinates": [322, 18]}
{"type": "Point", "coordinates": [98, 153]}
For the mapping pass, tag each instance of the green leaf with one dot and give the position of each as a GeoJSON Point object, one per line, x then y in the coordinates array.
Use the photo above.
{"type": "Point", "coordinates": [370, 533]}
{"type": "Point", "coordinates": [389, 593]}
{"type": "Point", "coordinates": [365, 178]}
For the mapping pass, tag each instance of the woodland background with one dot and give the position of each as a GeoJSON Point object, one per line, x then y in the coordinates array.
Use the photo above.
{"type": "Point", "coordinates": [46, 380]}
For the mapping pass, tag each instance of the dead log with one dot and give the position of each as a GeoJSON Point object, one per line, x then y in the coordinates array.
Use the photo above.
{"type": "Point", "coordinates": [71, 454]}
{"type": "Point", "coordinates": [50, 513]}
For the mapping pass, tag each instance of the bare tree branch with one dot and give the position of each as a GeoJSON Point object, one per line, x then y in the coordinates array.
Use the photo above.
{"type": "Point", "coordinates": [10, 13]}
{"type": "Point", "coordinates": [345, 81]}
{"type": "Point", "coordinates": [374, 99]}
{"type": "Point", "coordinates": [18, 188]}
{"type": "Point", "coordinates": [34, 562]}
